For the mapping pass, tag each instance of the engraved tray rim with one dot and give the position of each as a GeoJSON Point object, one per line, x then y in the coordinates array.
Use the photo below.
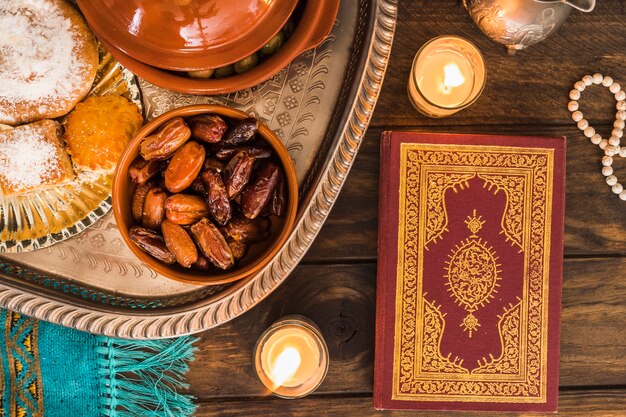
{"type": "Point", "coordinates": [213, 311]}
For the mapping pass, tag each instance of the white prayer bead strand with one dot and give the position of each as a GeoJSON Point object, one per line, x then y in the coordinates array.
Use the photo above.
{"type": "Point", "coordinates": [611, 146]}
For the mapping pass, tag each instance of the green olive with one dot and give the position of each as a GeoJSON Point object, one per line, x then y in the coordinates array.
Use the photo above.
{"type": "Point", "coordinates": [289, 28]}
{"type": "Point", "coordinates": [246, 64]}
{"type": "Point", "coordinates": [274, 44]}
{"type": "Point", "coordinates": [201, 73]}
{"type": "Point", "coordinates": [224, 72]}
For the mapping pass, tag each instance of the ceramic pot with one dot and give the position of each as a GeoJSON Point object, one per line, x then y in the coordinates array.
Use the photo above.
{"type": "Point", "coordinates": [258, 254]}
{"type": "Point", "coordinates": [312, 27]}
{"type": "Point", "coordinates": [185, 35]}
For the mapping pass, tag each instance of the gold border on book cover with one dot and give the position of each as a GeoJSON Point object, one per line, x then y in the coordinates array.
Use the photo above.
{"type": "Point", "coordinates": [420, 371]}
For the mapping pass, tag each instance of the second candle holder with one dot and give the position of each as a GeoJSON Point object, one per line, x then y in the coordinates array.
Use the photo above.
{"type": "Point", "coordinates": [291, 357]}
{"type": "Point", "coordinates": [448, 74]}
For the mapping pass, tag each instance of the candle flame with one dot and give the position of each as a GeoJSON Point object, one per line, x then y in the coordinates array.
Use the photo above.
{"type": "Point", "coordinates": [285, 366]}
{"type": "Point", "coordinates": [452, 77]}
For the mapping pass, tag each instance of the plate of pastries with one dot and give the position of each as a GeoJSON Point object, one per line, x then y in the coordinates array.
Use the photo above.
{"type": "Point", "coordinates": [67, 111]}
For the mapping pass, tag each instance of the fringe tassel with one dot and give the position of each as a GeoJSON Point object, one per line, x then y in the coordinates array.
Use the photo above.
{"type": "Point", "coordinates": [141, 378]}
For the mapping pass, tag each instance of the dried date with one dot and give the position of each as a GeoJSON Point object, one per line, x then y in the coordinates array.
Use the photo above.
{"type": "Point", "coordinates": [197, 186]}
{"type": "Point", "coordinates": [202, 263]}
{"type": "Point", "coordinates": [153, 208]}
{"type": "Point", "coordinates": [237, 173]}
{"type": "Point", "coordinates": [237, 248]}
{"type": "Point", "coordinates": [141, 171]}
{"type": "Point", "coordinates": [207, 128]}
{"type": "Point", "coordinates": [184, 166]}
{"type": "Point", "coordinates": [212, 244]}
{"type": "Point", "coordinates": [242, 132]}
{"type": "Point", "coordinates": [151, 243]}
{"type": "Point", "coordinates": [179, 243]}
{"type": "Point", "coordinates": [212, 163]}
{"type": "Point", "coordinates": [138, 199]}
{"type": "Point", "coordinates": [216, 196]}
{"type": "Point", "coordinates": [258, 193]}
{"type": "Point", "coordinates": [259, 152]}
{"type": "Point", "coordinates": [166, 141]}
{"type": "Point", "coordinates": [246, 230]}
{"type": "Point", "coordinates": [185, 208]}
{"type": "Point", "coordinates": [278, 202]}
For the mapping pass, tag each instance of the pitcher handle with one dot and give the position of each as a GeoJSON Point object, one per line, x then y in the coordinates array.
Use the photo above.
{"type": "Point", "coordinates": [582, 5]}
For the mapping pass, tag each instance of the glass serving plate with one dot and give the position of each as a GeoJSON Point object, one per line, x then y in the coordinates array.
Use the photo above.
{"type": "Point", "coordinates": [320, 105]}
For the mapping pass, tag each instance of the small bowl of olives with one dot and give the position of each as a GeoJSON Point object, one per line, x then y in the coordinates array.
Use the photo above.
{"type": "Point", "coordinates": [205, 194]}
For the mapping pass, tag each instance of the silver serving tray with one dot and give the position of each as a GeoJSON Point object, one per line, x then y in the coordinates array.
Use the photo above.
{"type": "Point", "coordinates": [320, 106]}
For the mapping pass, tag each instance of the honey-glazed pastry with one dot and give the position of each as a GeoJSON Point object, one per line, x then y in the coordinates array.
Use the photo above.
{"type": "Point", "coordinates": [98, 130]}
{"type": "Point", "coordinates": [48, 60]}
{"type": "Point", "coordinates": [33, 157]}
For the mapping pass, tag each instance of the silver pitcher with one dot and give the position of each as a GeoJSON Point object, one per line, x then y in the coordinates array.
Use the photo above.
{"type": "Point", "coordinates": [520, 23]}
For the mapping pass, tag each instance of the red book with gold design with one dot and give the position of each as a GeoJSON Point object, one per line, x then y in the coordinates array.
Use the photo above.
{"type": "Point", "coordinates": [470, 259]}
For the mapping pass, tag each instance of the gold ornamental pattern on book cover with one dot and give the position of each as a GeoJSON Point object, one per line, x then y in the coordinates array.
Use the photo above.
{"type": "Point", "coordinates": [473, 273]}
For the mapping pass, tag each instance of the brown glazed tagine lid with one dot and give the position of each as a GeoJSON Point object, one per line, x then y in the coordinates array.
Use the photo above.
{"type": "Point", "coordinates": [313, 22]}
{"type": "Point", "coordinates": [184, 35]}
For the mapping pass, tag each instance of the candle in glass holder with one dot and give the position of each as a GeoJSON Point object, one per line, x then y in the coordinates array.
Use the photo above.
{"type": "Point", "coordinates": [448, 74]}
{"type": "Point", "coordinates": [291, 357]}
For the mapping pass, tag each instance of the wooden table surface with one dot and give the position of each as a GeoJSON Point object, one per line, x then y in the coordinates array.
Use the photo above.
{"type": "Point", "coordinates": [335, 285]}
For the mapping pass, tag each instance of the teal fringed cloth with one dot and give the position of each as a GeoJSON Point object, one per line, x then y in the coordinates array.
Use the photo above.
{"type": "Point", "coordinates": [49, 370]}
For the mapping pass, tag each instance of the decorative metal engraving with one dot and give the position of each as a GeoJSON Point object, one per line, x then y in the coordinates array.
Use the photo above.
{"type": "Point", "coordinates": [517, 23]}
{"type": "Point", "coordinates": [321, 117]}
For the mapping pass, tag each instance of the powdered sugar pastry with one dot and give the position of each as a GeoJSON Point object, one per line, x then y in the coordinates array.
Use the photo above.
{"type": "Point", "coordinates": [47, 59]}
{"type": "Point", "coordinates": [27, 161]}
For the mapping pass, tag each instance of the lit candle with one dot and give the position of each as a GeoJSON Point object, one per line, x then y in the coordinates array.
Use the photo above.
{"type": "Point", "coordinates": [291, 357]}
{"type": "Point", "coordinates": [448, 74]}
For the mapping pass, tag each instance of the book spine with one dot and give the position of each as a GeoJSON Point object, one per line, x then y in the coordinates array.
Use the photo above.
{"type": "Point", "coordinates": [381, 279]}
